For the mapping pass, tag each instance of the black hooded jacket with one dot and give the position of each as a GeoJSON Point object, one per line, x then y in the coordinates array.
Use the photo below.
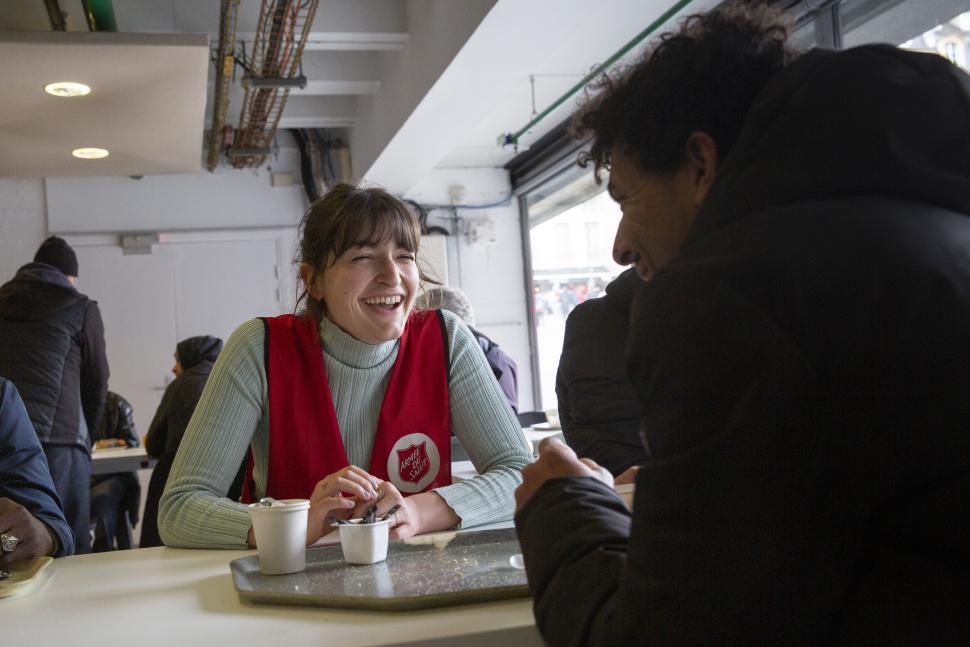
{"type": "Point", "coordinates": [598, 409]}
{"type": "Point", "coordinates": [196, 356]}
{"type": "Point", "coordinates": [804, 371]}
{"type": "Point", "coordinates": [52, 349]}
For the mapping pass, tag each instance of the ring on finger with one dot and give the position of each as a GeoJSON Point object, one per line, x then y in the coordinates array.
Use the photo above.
{"type": "Point", "coordinates": [8, 542]}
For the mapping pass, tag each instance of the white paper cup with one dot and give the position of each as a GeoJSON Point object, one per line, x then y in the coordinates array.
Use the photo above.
{"type": "Point", "coordinates": [552, 417]}
{"type": "Point", "coordinates": [365, 543]}
{"type": "Point", "coordinates": [280, 532]}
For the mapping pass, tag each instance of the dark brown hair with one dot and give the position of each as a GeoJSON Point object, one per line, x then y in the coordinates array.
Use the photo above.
{"type": "Point", "coordinates": [348, 216]}
{"type": "Point", "coordinates": [702, 77]}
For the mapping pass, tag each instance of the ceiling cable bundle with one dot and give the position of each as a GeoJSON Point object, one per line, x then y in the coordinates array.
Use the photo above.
{"type": "Point", "coordinates": [320, 165]}
{"type": "Point", "coordinates": [271, 69]}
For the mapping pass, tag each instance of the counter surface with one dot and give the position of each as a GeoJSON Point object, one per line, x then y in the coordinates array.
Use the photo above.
{"type": "Point", "coordinates": [180, 598]}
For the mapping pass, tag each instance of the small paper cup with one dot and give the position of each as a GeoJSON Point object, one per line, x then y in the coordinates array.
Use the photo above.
{"type": "Point", "coordinates": [364, 543]}
{"type": "Point", "coordinates": [280, 532]}
{"type": "Point", "coordinates": [552, 417]}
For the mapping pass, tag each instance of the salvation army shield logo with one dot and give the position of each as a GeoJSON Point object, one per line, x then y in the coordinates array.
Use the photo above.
{"type": "Point", "coordinates": [413, 462]}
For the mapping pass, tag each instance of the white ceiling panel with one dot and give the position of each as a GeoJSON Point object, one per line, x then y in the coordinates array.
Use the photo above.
{"type": "Point", "coordinates": [146, 104]}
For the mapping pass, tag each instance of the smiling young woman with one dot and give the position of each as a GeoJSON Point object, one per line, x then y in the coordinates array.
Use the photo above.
{"type": "Point", "coordinates": [352, 400]}
{"type": "Point", "coordinates": [359, 262]}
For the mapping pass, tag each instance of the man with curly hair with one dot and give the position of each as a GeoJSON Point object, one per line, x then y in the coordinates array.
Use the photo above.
{"type": "Point", "coordinates": [800, 349]}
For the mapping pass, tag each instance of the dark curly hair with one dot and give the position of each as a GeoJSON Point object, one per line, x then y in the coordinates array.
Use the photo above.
{"type": "Point", "coordinates": [702, 77]}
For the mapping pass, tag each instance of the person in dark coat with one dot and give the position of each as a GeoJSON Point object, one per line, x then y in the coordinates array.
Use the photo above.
{"type": "Point", "coordinates": [800, 350]}
{"type": "Point", "coordinates": [598, 409]}
{"type": "Point", "coordinates": [503, 367]}
{"type": "Point", "coordinates": [30, 510]}
{"type": "Point", "coordinates": [194, 358]}
{"type": "Point", "coordinates": [113, 493]}
{"type": "Point", "coordinates": [52, 348]}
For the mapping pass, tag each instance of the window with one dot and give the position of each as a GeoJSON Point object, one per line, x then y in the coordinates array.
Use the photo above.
{"type": "Point", "coordinates": [571, 225]}
{"type": "Point", "coordinates": [937, 26]}
{"type": "Point", "coordinates": [950, 50]}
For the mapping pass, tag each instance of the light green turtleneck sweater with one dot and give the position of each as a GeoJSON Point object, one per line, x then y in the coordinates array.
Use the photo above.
{"type": "Point", "coordinates": [233, 415]}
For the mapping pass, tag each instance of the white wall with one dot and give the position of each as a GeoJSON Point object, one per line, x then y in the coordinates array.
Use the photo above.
{"type": "Point", "coordinates": [437, 30]}
{"type": "Point", "coordinates": [23, 222]}
{"type": "Point", "coordinates": [485, 257]}
{"type": "Point", "coordinates": [226, 199]}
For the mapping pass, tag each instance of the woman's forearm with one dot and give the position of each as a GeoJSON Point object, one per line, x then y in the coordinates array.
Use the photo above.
{"type": "Point", "coordinates": [433, 513]}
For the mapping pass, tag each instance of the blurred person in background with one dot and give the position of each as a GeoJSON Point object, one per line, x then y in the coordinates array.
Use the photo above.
{"type": "Point", "coordinates": [32, 523]}
{"type": "Point", "coordinates": [52, 348]}
{"type": "Point", "coordinates": [114, 494]}
{"type": "Point", "coordinates": [503, 366]}
{"type": "Point", "coordinates": [598, 409]}
{"type": "Point", "coordinates": [194, 359]}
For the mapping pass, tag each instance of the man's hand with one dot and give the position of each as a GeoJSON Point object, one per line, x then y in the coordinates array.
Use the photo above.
{"type": "Point", "coordinates": [629, 476]}
{"type": "Point", "coordinates": [35, 541]}
{"type": "Point", "coordinates": [556, 460]}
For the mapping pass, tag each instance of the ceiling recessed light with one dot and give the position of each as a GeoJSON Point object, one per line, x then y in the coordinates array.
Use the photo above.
{"type": "Point", "coordinates": [67, 89]}
{"type": "Point", "coordinates": [89, 153]}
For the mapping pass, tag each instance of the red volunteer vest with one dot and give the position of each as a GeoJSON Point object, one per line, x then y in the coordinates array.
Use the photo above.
{"type": "Point", "coordinates": [412, 446]}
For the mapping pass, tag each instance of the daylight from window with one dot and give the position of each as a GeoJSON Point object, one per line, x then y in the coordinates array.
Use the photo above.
{"type": "Point", "coordinates": [571, 262]}
{"type": "Point", "coordinates": [951, 39]}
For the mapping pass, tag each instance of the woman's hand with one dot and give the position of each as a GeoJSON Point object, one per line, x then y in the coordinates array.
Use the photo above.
{"type": "Point", "coordinates": [335, 496]}
{"type": "Point", "coordinates": [425, 512]}
{"type": "Point", "coordinates": [352, 481]}
{"type": "Point", "coordinates": [318, 521]}
{"type": "Point", "coordinates": [404, 521]}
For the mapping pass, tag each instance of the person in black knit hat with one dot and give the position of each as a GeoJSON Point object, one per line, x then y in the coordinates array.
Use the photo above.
{"type": "Point", "coordinates": [194, 358]}
{"type": "Point", "coordinates": [52, 349]}
{"type": "Point", "coordinates": [55, 251]}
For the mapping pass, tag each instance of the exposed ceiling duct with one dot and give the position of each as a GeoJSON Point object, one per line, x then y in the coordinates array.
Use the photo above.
{"type": "Point", "coordinates": [224, 62]}
{"type": "Point", "coordinates": [271, 69]}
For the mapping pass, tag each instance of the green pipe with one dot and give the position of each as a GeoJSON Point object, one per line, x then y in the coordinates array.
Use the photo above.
{"type": "Point", "coordinates": [100, 15]}
{"type": "Point", "coordinates": [513, 138]}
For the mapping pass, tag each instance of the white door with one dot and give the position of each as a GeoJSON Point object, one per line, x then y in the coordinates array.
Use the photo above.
{"type": "Point", "coordinates": [187, 286]}
{"type": "Point", "coordinates": [219, 285]}
{"type": "Point", "coordinates": [136, 295]}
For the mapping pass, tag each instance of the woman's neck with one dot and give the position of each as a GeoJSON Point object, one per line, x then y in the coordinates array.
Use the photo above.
{"type": "Point", "coordinates": [348, 350]}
